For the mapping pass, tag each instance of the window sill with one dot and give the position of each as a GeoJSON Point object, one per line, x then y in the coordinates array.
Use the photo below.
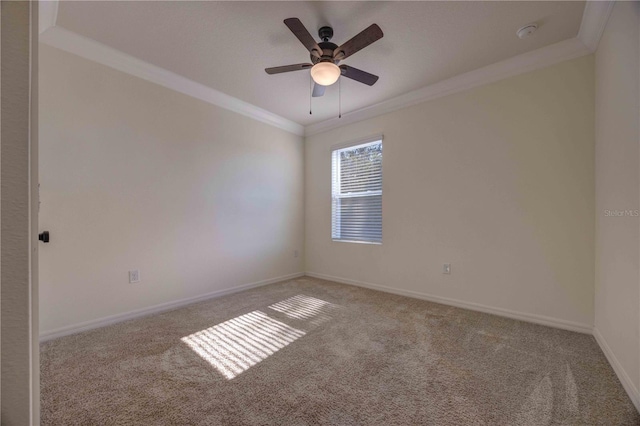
{"type": "Point", "coordinates": [357, 242]}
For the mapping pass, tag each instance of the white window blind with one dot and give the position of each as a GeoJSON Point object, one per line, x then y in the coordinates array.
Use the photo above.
{"type": "Point", "coordinates": [356, 192]}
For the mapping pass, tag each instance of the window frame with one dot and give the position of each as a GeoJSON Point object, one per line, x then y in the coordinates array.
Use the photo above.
{"type": "Point", "coordinates": [335, 183]}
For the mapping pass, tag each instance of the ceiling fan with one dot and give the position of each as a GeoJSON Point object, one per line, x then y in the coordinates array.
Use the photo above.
{"type": "Point", "coordinates": [325, 55]}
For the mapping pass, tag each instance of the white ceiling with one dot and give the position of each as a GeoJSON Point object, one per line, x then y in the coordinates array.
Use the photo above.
{"type": "Point", "coordinates": [227, 45]}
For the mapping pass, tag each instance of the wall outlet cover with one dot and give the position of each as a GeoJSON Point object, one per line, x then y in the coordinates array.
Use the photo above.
{"type": "Point", "coordinates": [134, 276]}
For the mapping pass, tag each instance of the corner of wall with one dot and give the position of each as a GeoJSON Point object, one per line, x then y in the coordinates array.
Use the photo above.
{"type": "Point", "coordinates": [624, 378]}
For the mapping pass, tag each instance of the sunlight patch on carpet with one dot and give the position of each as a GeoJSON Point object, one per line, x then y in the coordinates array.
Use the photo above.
{"type": "Point", "coordinates": [236, 345]}
{"type": "Point", "coordinates": [303, 307]}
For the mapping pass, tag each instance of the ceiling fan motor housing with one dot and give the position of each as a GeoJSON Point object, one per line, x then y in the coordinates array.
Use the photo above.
{"type": "Point", "coordinates": [325, 33]}
{"type": "Point", "coordinates": [327, 52]}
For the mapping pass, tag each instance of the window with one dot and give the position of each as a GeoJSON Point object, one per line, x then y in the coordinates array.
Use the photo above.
{"type": "Point", "coordinates": [356, 192]}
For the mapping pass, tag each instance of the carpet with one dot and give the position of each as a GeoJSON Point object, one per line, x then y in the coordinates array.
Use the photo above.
{"type": "Point", "coordinates": [314, 352]}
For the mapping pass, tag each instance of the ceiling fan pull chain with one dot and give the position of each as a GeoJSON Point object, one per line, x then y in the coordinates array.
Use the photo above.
{"type": "Point", "coordinates": [310, 92]}
{"type": "Point", "coordinates": [339, 98]}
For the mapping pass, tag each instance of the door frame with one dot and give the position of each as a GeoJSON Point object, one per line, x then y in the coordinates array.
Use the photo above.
{"type": "Point", "coordinates": [19, 331]}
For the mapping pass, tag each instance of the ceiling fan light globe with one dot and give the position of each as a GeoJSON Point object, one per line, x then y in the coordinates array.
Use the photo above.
{"type": "Point", "coordinates": [325, 73]}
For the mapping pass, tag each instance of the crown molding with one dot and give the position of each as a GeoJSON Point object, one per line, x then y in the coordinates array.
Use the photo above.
{"type": "Point", "coordinates": [526, 62]}
{"type": "Point", "coordinates": [94, 51]}
{"type": "Point", "coordinates": [594, 19]}
{"type": "Point", "coordinates": [47, 14]}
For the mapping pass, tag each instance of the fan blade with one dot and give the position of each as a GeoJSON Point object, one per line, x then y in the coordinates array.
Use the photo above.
{"type": "Point", "coordinates": [296, 27]}
{"type": "Point", "coordinates": [318, 90]}
{"type": "Point", "coordinates": [358, 75]}
{"type": "Point", "coordinates": [371, 34]}
{"type": "Point", "coordinates": [287, 68]}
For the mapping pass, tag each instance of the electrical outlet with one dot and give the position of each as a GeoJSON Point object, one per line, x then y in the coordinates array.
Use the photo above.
{"type": "Point", "coordinates": [446, 268]}
{"type": "Point", "coordinates": [295, 253]}
{"type": "Point", "coordinates": [134, 276]}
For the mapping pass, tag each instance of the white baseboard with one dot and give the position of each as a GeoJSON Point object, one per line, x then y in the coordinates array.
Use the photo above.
{"type": "Point", "coordinates": [522, 316]}
{"type": "Point", "coordinates": [112, 319]}
{"type": "Point", "coordinates": [624, 378]}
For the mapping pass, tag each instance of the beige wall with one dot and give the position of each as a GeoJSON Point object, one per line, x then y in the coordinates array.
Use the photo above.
{"type": "Point", "coordinates": [497, 180]}
{"type": "Point", "coordinates": [617, 188]}
{"type": "Point", "coordinates": [136, 176]}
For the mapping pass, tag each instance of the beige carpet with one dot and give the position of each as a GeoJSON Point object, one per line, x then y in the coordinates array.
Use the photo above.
{"type": "Point", "coordinates": [312, 352]}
